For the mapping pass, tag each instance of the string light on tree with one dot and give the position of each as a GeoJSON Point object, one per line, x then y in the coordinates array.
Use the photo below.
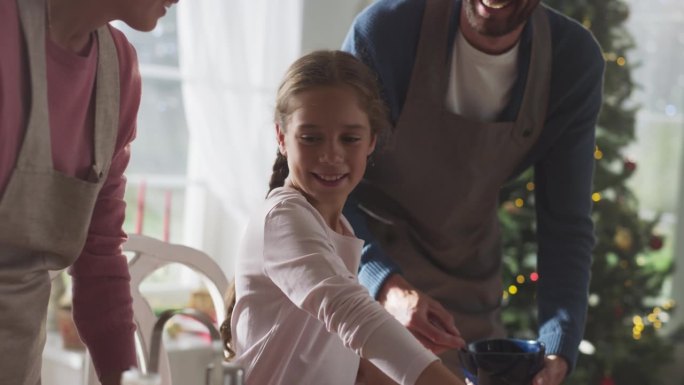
{"type": "Point", "coordinates": [513, 290]}
{"type": "Point", "coordinates": [594, 299]}
{"type": "Point", "coordinates": [586, 347]}
{"type": "Point", "coordinates": [638, 327]}
{"type": "Point", "coordinates": [598, 154]}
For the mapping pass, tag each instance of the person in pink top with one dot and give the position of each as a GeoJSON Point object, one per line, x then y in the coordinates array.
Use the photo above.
{"type": "Point", "coordinates": [69, 96]}
{"type": "Point", "coordinates": [299, 314]}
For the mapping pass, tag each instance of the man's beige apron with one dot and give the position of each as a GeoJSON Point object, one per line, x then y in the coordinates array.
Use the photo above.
{"type": "Point", "coordinates": [432, 194]}
{"type": "Point", "coordinates": [44, 214]}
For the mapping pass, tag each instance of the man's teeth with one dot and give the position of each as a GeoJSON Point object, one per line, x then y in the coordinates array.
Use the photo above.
{"type": "Point", "coordinates": [496, 4]}
{"type": "Point", "coordinates": [330, 178]}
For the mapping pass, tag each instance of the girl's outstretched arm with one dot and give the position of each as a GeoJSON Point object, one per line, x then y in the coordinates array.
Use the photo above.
{"type": "Point", "coordinates": [435, 373]}
{"type": "Point", "coordinates": [369, 374]}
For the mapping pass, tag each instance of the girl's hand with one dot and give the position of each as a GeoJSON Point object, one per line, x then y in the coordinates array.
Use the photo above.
{"type": "Point", "coordinates": [424, 317]}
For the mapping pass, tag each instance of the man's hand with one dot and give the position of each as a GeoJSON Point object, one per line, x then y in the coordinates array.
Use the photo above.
{"type": "Point", "coordinates": [424, 317]}
{"type": "Point", "coordinates": [554, 372]}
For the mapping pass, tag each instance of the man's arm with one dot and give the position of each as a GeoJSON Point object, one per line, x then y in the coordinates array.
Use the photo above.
{"type": "Point", "coordinates": [102, 303]}
{"type": "Point", "coordinates": [563, 180]}
{"type": "Point", "coordinates": [376, 266]}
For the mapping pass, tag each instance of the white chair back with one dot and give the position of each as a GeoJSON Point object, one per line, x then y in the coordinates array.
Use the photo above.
{"type": "Point", "coordinates": [151, 254]}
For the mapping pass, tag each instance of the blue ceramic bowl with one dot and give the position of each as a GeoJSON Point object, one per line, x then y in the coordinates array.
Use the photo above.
{"type": "Point", "coordinates": [505, 361]}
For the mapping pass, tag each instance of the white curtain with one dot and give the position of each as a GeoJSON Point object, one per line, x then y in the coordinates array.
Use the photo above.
{"type": "Point", "coordinates": [232, 54]}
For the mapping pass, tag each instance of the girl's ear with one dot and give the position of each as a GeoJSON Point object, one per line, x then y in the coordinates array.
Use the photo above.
{"type": "Point", "coordinates": [373, 142]}
{"type": "Point", "coordinates": [280, 137]}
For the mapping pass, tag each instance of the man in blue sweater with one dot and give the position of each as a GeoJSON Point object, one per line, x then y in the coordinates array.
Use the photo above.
{"type": "Point", "coordinates": [478, 91]}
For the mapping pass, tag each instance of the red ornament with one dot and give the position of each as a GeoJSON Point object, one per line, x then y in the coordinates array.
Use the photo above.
{"type": "Point", "coordinates": [630, 165]}
{"type": "Point", "coordinates": [607, 381]}
{"type": "Point", "coordinates": [619, 312]}
{"type": "Point", "coordinates": [656, 242]}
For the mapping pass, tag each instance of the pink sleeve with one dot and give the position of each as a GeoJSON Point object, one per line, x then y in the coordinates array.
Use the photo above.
{"type": "Point", "coordinates": [301, 261]}
{"type": "Point", "coordinates": [102, 304]}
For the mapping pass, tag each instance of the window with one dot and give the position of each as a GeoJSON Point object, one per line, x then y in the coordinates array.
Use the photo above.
{"type": "Point", "coordinates": [155, 194]}
{"type": "Point", "coordinates": [659, 73]}
{"type": "Point", "coordinates": [156, 173]}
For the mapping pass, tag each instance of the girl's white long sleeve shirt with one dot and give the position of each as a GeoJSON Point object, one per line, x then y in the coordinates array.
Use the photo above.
{"type": "Point", "coordinates": [301, 317]}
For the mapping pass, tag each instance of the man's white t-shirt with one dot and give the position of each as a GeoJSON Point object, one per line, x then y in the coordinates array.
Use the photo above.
{"type": "Point", "coordinates": [480, 84]}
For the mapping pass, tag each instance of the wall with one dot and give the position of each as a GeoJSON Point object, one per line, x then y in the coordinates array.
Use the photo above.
{"type": "Point", "coordinates": [326, 22]}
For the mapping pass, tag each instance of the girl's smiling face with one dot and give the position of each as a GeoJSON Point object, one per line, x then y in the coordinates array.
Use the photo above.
{"type": "Point", "coordinates": [327, 140]}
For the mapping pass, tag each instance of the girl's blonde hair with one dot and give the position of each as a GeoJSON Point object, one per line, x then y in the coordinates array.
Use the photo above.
{"type": "Point", "coordinates": [320, 69]}
{"type": "Point", "coordinates": [316, 69]}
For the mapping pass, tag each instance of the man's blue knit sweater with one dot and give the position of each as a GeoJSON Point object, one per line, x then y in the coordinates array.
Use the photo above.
{"type": "Point", "coordinates": [385, 37]}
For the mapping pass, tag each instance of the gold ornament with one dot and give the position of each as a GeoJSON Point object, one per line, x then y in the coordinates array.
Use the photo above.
{"type": "Point", "coordinates": [623, 238]}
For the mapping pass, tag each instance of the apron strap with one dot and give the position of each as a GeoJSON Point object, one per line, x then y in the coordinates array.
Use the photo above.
{"type": "Point", "coordinates": [532, 112]}
{"type": "Point", "coordinates": [107, 99]}
{"type": "Point", "coordinates": [36, 150]}
{"type": "Point", "coordinates": [432, 54]}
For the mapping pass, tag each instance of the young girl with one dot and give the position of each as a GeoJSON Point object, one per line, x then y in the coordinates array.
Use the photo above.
{"type": "Point", "coordinates": [301, 317]}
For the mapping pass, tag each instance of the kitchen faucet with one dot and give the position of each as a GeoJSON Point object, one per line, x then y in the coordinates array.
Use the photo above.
{"type": "Point", "coordinates": [219, 372]}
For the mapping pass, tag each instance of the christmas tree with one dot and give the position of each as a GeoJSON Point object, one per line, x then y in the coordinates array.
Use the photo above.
{"type": "Point", "coordinates": [622, 343]}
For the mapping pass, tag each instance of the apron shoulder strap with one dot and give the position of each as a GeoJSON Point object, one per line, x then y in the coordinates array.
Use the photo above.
{"type": "Point", "coordinates": [532, 113]}
{"type": "Point", "coordinates": [107, 101]}
{"type": "Point", "coordinates": [36, 150]}
{"type": "Point", "coordinates": [432, 54]}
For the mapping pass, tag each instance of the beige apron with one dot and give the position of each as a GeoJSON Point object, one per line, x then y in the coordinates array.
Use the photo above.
{"type": "Point", "coordinates": [44, 214]}
{"type": "Point", "coordinates": [432, 194]}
